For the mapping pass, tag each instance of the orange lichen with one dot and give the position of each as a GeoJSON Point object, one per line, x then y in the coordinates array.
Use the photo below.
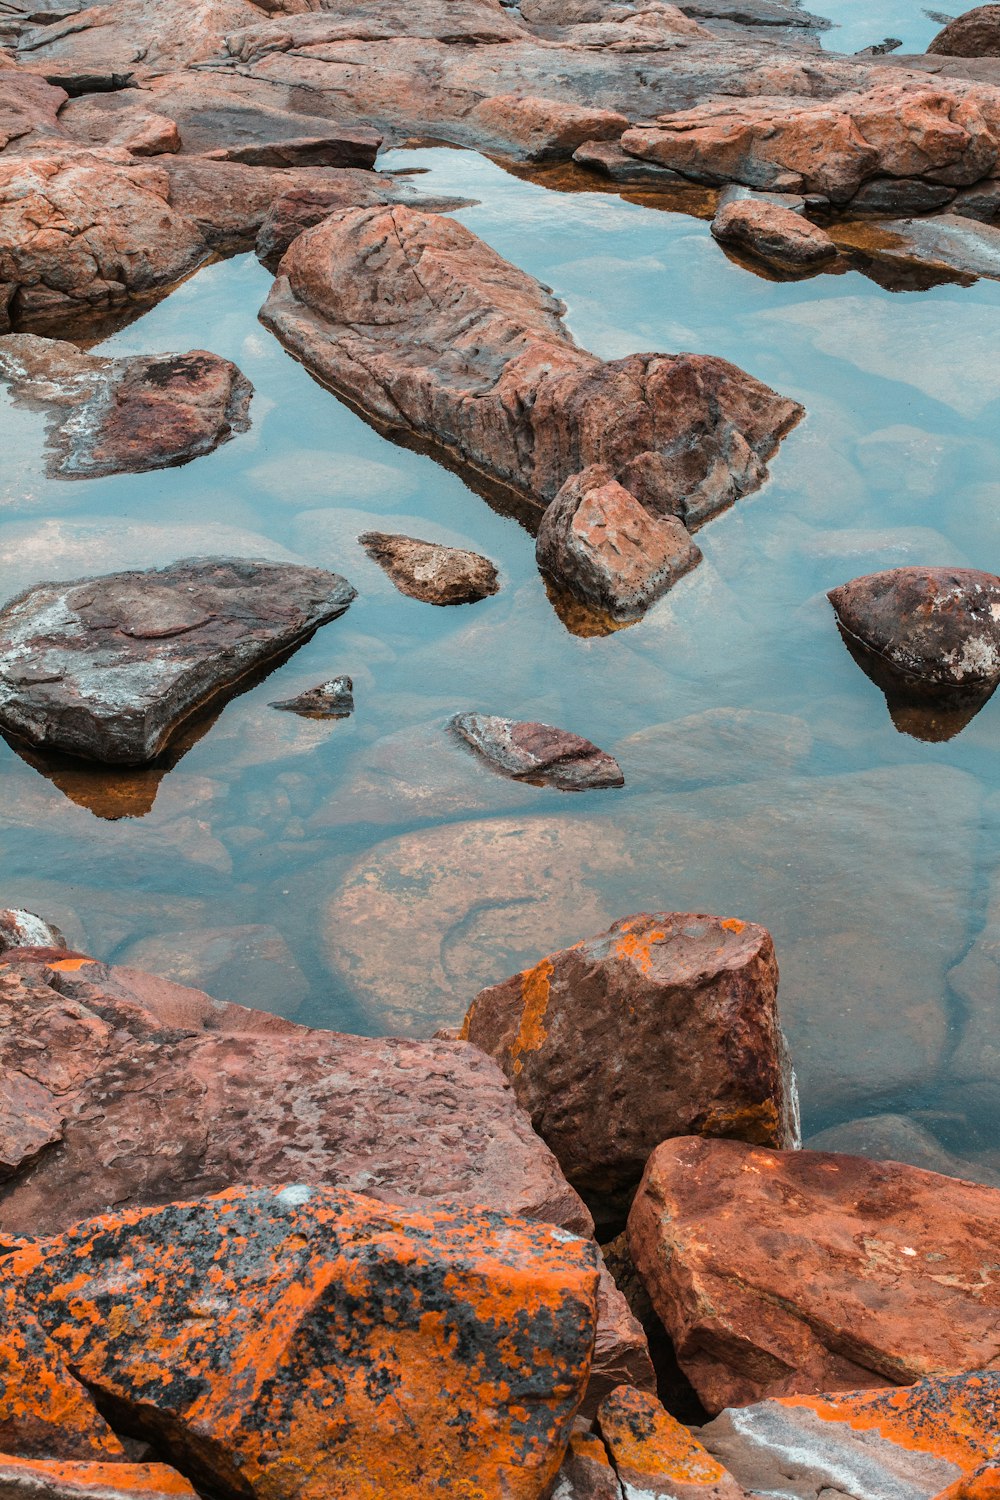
{"type": "Point", "coordinates": [634, 947]}
{"type": "Point", "coordinates": [732, 924]}
{"type": "Point", "coordinates": [645, 1440]}
{"type": "Point", "coordinates": [535, 989]}
{"type": "Point", "coordinates": [984, 1484]}
{"type": "Point", "coordinates": [50, 1475]}
{"type": "Point", "coordinates": [955, 1417]}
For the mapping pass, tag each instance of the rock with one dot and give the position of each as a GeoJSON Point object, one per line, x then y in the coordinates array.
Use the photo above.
{"type": "Point", "coordinates": [869, 1444]}
{"type": "Point", "coordinates": [329, 700]}
{"type": "Point", "coordinates": [621, 1351]}
{"type": "Point", "coordinates": [888, 1283]}
{"type": "Point", "coordinates": [976, 982]}
{"type": "Point", "coordinates": [301, 208]}
{"type": "Point", "coordinates": [449, 1341]}
{"type": "Point", "coordinates": [51, 1479]}
{"type": "Point", "coordinates": [586, 1472]}
{"type": "Point", "coordinates": [655, 1456]}
{"type": "Point", "coordinates": [29, 107]}
{"type": "Point", "coordinates": [982, 1484]}
{"type": "Point", "coordinates": [898, 1138]}
{"type": "Point", "coordinates": [981, 202]}
{"type": "Point", "coordinates": [116, 119]}
{"type": "Point", "coordinates": [736, 193]}
{"type": "Point", "coordinates": [901, 195]}
{"type": "Point", "coordinates": [779, 236]}
{"type": "Point", "coordinates": [430, 572]}
{"type": "Point", "coordinates": [107, 668]}
{"type": "Point", "coordinates": [948, 242]}
{"type": "Point", "coordinates": [538, 753]}
{"type": "Point", "coordinates": [665, 1025]}
{"type": "Point", "coordinates": [597, 540]}
{"type": "Point", "coordinates": [423, 326]}
{"type": "Point", "coordinates": [23, 929]}
{"type": "Point", "coordinates": [102, 41]}
{"type": "Point", "coordinates": [545, 128]}
{"type": "Point", "coordinates": [608, 158]}
{"type": "Point", "coordinates": [123, 416]}
{"type": "Point", "coordinates": [976, 33]}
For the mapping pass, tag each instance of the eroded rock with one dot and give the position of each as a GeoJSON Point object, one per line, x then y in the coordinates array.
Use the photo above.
{"type": "Point", "coordinates": [655, 1456]}
{"type": "Point", "coordinates": [776, 235]}
{"type": "Point", "coordinates": [975, 33]}
{"type": "Point", "coordinates": [544, 128]}
{"type": "Point", "coordinates": [431, 572]}
{"type": "Point", "coordinates": [538, 753]}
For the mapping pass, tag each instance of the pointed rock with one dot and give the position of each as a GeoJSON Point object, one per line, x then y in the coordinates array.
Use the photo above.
{"type": "Point", "coordinates": [329, 700]}
{"type": "Point", "coordinates": [538, 753]}
{"type": "Point", "coordinates": [431, 572]}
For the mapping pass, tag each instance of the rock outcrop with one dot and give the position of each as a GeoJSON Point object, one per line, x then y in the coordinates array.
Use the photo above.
{"type": "Point", "coordinates": [975, 33]}
{"type": "Point", "coordinates": [430, 572]}
{"type": "Point", "coordinates": [107, 668]}
{"type": "Point", "coordinates": [776, 235]}
{"type": "Point", "coordinates": [538, 753]}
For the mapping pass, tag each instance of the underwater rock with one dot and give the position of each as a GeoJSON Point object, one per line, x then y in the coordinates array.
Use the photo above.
{"type": "Point", "coordinates": [430, 572]}
{"type": "Point", "coordinates": [538, 753]}
{"type": "Point", "coordinates": [329, 700]}
{"type": "Point", "coordinates": [777, 235]}
{"type": "Point", "coordinates": [975, 33]}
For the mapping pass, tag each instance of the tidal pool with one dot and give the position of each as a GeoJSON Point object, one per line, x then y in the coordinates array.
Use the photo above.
{"type": "Point", "coordinates": [368, 875]}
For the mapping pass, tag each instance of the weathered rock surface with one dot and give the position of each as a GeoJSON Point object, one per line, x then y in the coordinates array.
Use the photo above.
{"type": "Point", "coordinates": [890, 1280]}
{"type": "Point", "coordinates": [655, 1456]}
{"type": "Point", "coordinates": [225, 1330]}
{"type": "Point", "coordinates": [586, 1472]}
{"type": "Point", "coordinates": [946, 242]}
{"type": "Point", "coordinates": [975, 33]}
{"type": "Point", "coordinates": [300, 208]}
{"type": "Point", "coordinates": [122, 416]}
{"type": "Point", "coordinates": [430, 572]}
{"type": "Point", "coordinates": [608, 159]}
{"type": "Point", "coordinates": [666, 1025]}
{"type": "Point", "coordinates": [428, 329]}
{"type": "Point", "coordinates": [54, 1479]}
{"type": "Point", "coordinates": [776, 235]}
{"type": "Point", "coordinates": [596, 540]}
{"type": "Point", "coordinates": [23, 929]}
{"type": "Point", "coordinates": [544, 128]}
{"type": "Point", "coordinates": [538, 753]}
{"type": "Point", "coordinates": [107, 668]}
{"type": "Point", "coordinates": [329, 700]}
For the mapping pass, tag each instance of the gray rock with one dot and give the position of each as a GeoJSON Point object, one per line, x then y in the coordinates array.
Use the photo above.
{"type": "Point", "coordinates": [897, 1138]}
{"type": "Point", "coordinates": [330, 700]}
{"type": "Point", "coordinates": [737, 193]}
{"type": "Point", "coordinates": [23, 929]}
{"type": "Point", "coordinates": [608, 158]}
{"type": "Point", "coordinates": [981, 202]}
{"type": "Point", "coordinates": [951, 241]}
{"type": "Point", "coordinates": [901, 195]}
{"type": "Point", "coordinates": [538, 753]}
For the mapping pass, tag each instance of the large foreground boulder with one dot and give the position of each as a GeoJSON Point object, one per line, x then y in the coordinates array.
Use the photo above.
{"type": "Point", "coordinates": [106, 668]}
{"type": "Point", "coordinates": [308, 1344]}
{"type": "Point", "coordinates": [664, 1025]}
{"type": "Point", "coordinates": [779, 1273]}
{"type": "Point", "coordinates": [976, 33]}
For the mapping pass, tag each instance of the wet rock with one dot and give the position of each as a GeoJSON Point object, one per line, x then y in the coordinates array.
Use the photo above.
{"type": "Point", "coordinates": [947, 242]}
{"type": "Point", "coordinates": [901, 195]}
{"type": "Point", "coordinates": [23, 929]}
{"type": "Point", "coordinates": [329, 700]}
{"type": "Point", "coordinates": [538, 753]}
{"type": "Point", "coordinates": [52, 1479]}
{"type": "Point", "coordinates": [608, 158]}
{"type": "Point", "coordinates": [981, 202]}
{"type": "Point", "coordinates": [597, 540]}
{"type": "Point", "coordinates": [430, 572]}
{"type": "Point", "coordinates": [976, 33]}
{"type": "Point", "coordinates": [664, 1025]}
{"type": "Point", "coordinates": [887, 1287]}
{"type": "Point", "coordinates": [426, 328]}
{"type": "Point", "coordinates": [449, 1340]}
{"type": "Point", "coordinates": [544, 128]}
{"type": "Point", "coordinates": [655, 1456]}
{"type": "Point", "coordinates": [869, 1444]}
{"type": "Point", "coordinates": [776, 235]}
{"type": "Point", "coordinates": [123, 416]}
{"type": "Point", "coordinates": [107, 668]}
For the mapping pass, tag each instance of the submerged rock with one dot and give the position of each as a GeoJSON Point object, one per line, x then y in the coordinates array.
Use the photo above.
{"type": "Point", "coordinates": [665, 1025]}
{"type": "Point", "coordinates": [538, 753]}
{"type": "Point", "coordinates": [107, 668]}
{"type": "Point", "coordinates": [888, 1282]}
{"type": "Point", "coordinates": [777, 235]}
{"type": "Point", "coordinates": [329, 700]}
{"type": "Point", "coordinates": [430, 572]}
{"type": "Point", "coordinates": [976, 33]}
{"type": "Point", "coordinates": [123, 416]}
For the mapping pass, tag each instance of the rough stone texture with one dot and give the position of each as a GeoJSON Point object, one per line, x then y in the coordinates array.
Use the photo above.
{"type": "Point", "coordinates": [665, 1025]}
{"type": "Point", "coordinates": [107, 668]}
{"type": "Point", "coordinates": [946, 242]}
{"type": "Point", "coordinates": [545, 128]}
{"type": "Point", "coordinates": [890, 1283]}
{"type": "Point", "coordinates": [777, 235]}
{"type": "Point", "coordinates": [23, 929]}
{"type": "Point", "coordinates": [596, 540]}
{"type": "Point", "coordinates": [621, 1352]}
{"type": "Point", "coordinates": [981, 202]}
{"type": "Point", "coordinates": [901, 195]}
{"type": "Point", "coordinates": [160, 33]}
{"type": "Point", "coordinates": [586, 1472]}
{"type": "Point", "coordinates": [429, 572]}
{"type": "Point", "coordinates": [982, 1484]}
{"type": "Point", "coordinates": [123, 416]}
{"type": "Point", "coordinates": [538, 753]}
{"type": "Point", "coordinates": [52, 1479]}
{"type": "Point", "coordinates": [655, 1456]}
{"type": "Point", "coordinates": [608, 158]}
{"type": "Point", "coordinates": [228, 1330]}
{"type": "Point", "coordinates": [329, 700]}
{"type": "Point", "coordinates": [427, 329]}
{"type": "Point", "coordinates": [28, 109]}
{"type": "Point", "coordinates": [975, 33]}
{"type": "Point", "coordinates": [868, 1444]}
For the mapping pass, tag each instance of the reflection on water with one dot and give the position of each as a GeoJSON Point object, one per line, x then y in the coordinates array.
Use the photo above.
{"type": "Point", "coordinates": [365, 873]}
{"type": "Point", "coordinates": [858, 23]}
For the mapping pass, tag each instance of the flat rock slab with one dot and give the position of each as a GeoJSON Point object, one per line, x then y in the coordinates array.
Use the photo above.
{"type": "Point", "coordinates": [431, 572]}
{"type": "Point", "coordinates": [538, 753]}
{"type": "Point", "coordinates": [56, 1479]}
{"type": "Point", "coordinates": [776, 235]}
{"type": "Point", "coordinates": [952, 242]}
{"type": "Point", "coordinates": [892, 1266]}
{"type": "Point", "coordinates": [107, 668]}
{"type": "Point", "coordinates": [124, 416]}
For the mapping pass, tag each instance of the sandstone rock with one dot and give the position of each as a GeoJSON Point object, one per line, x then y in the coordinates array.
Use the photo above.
{"type": "Point", "coordinates": [665, 1025]}
{"type": "Point", "coordinates": [655, 1456]}
{"type": "Point", "coordinates": [538, 753]}
{"type": "Point", "coordinates": [975, 33]}
{"type": "Point", "coordinates": [608, 158]}
{"type": "Point", "coordinates": [586, 1472]}
{"type": "Point", "coordinates": [329, 700]}
{"type": "Point", "coordinates": [107, 668]}
{"type": "Point", "coordinates": [773, 234]}
{"type": "Point", "coordinates": [597, 540]}
{"type": "Point", "coordinates": [447, 1340]}
{"type": "Point", "coordinates": [424, 327]}
{"type": "Point", "coordinates": [23, 929]}
{"type": "Point", "coordinates": [122, 416]}
{"type": "Point", "coordinates": [52, 1479]}
{"type": "Point", "coordinates": [429, 572]}
{"type": "Point", "coordinates": [888, 1283]}
{"type": "Point", "coordinates": [545, 128]}
{"type": "Point", "coordinates": [28, 109]}
{"type": "Point", "coordinates": [300, 208]}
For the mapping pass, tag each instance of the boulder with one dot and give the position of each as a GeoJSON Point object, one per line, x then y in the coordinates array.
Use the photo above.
{"type": "Point", "coordinates": [310, 1344]}
{"type": "Point", "coordinates": [586, 1472]}
{"type": "Point", "coordinates": [430, 572]}
{"type": "Point", "coordinates": [245, 959]}
{"type": "Point", "coordinates": [540, 129]}
{"type": "Point", "coordinates": [123, 416]}
{"type": "Point", "coordinates": [596, 540]}
{"type": "Point", "coordinates": [665, 1025]}
{"type": "Point", "coordinates": [54, 1479]}
{"type": "Point", "coordinates": [975, 33]}
{"type": "Point", "coordinates": [621, 1350]}
{"type": "Point", "coordinates": [654, 1456]}
{"type": "Point", "coordinates": [538, 753]}
{"type": "Point", "coordinates": [23, 929]}
{"type": "Point", "coordinates": [424, 327]}
{"type": "Point", "coordinates": [779, 1273]}
{"type": "Point", "coordinates": [328, 700]}
{"type": "Point", "coordinates": [778, 236]}
{"type": "Point", "coordinates": [107, 668]}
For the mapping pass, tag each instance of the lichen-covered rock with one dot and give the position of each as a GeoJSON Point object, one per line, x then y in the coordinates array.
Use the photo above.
{"type": "Point", "coordinates": [55, 1479]}
{"type": "Point", "coordinates": [123, 416]}
{"type": "Point", "coordinates": [538, 753]}
{"type": "Point", "coordinates": [975, 33]}
{"type": "Point", "coordinates": [776, 235]}
{"type": "Point", "coordinates": [431, 572]}
{"type": "Point", "coordinates": [655, 1456]}
{"type": "Point", "coordinates": [107, 668]}
{"type": "Point", "coordinates": [586, 1472]}
{"type": "Point", "coordinates": [888, 1284]}
{"type": "Point", "coordinates": [665, 1025]}
{"type": "Point", "coordinates": [307, 1344]}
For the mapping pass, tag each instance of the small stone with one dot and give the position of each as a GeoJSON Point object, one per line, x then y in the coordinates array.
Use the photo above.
{"type": "Point", "coordinates": [586, 1472]}
{"type": "Point", "coordinates": [330, 700]}
{"type": "Point", "coordinates": [430, 572]}
{"type": "Point", "coordinates": [655, 1457]}
{"type": "Point", "coordinates": [538, 753]}
{"type": "Point", "coordinates": [23, 929]}
{"type": "Point", "coordinates": [777, 235]}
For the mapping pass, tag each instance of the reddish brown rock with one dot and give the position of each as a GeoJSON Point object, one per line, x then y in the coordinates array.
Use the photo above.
{"type": "Point", "coordinates": [28, 109]}
{"type": "Point", "coordinates": [430, 572]}
{"type": "Point", "coordinates": [544, 128]}
{"type": "Point", "coordinates": [426, 328]}
{"type": "Point", "coordinates": [53, 1479]}
{"type": "Point", "coordinates": [586, 1472]}
{"type": "Point", "coordinates": [123, 416]}
{"type": "Point", "coordinates": [982, 1484]}
{"type": "Point", "coordinates": [538, 753]}
{"type": "Point", "coordinates": [776, 235]}
{"type": "Point", "coordinates": [621, 1351]}
{"type": "Point", "coordinates": [107, 668]}
{"type": "Point", "coordinates": [654, 1455]}
{"type": "Point", "coordinates": [126, 118]}
{"type": "Point", "coordinates": [308, 1344]}
{"type": "Point", "coordinates": [975, 33]}
{"type": "Point", "coordinates": [665, 1025]}
{"type": "Point", "coordinates": [801, 1272]}
{"type": "Point", "coordinates": [596, 540]}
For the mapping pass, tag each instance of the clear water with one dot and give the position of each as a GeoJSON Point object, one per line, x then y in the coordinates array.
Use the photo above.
{"type": "Point", "coordinates": [858, 24]}
{"type": "Point", "coordinates": [368, 875]}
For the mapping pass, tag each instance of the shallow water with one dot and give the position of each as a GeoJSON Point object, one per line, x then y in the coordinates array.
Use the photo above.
{"type": "Point", "coordinates": [374, 875]}
{"type": "Point", "coordinates": [858, 23]}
